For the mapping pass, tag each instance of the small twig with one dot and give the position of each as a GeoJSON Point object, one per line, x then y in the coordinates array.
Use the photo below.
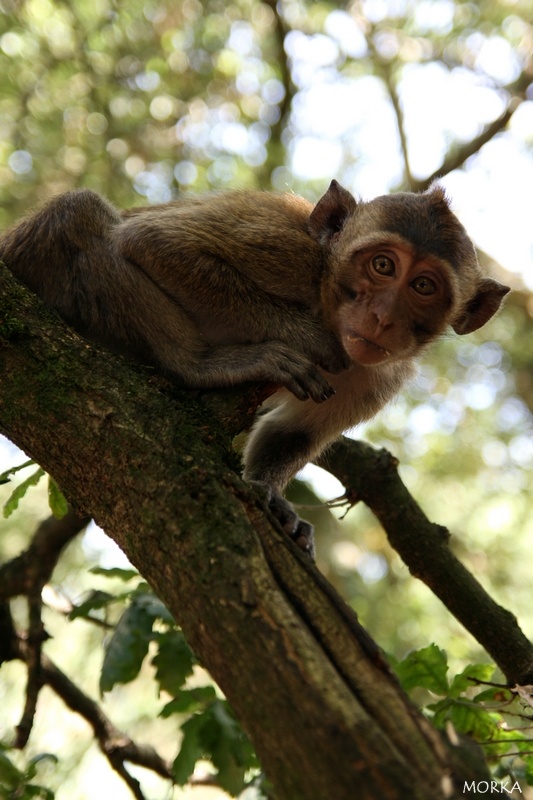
{"type": "Point", "coordinates": [8, 636]}
{"type": "Point", "coordinates": [34, 641]}
{"type": "Point", "coordinates": [32, 568]}
{"type": "Point", "coordinates": [283, 64]}
{"type": "Point", "coordinates": [112, 741]}
{"type": "Point", "coordinates": [114, 744]}
{"type": "Point", "coordinates": [26, 574]}
{"type": "Point", "coordinates": [458, 156]}
{"type": "Point", "coordinates": [385, 70]}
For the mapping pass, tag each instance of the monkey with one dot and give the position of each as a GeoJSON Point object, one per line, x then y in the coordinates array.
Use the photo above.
{"type": "Point", "coordinates": [331, 303]}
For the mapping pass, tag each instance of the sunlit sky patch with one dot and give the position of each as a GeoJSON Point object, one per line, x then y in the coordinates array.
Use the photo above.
{"type": "Point", "coordinates": [347, 128]}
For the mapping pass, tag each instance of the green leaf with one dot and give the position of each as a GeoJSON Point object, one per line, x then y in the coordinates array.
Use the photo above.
{"type": "Point", "coordinates": [10, 776]}
{"type": "Point", "coordinates": [217, 735]}
{"type": "Point", "coordinates": [426, 668]}
{"type": "Point", "coordinates": [191, 750]}
{"type": "Point", "coordinates": [5, 477]}
{"type": "Point", "coordinates": [95, 600]}
{"type": "Point", "coordinates": [152, 605]}
{"type": "Point", "coordinates": [528, 761]}
{"type": "Point", "coordinates": [474, 721]}
{"type": "Point", "coordinates": [128, 646]}
{"type": "Point", "coordinates": [505, 740]}
{"type": "Point", "coordinates": [56, 499]}
{"type": "Point", "coordinates": [174, 661]}
{"type": "Point", "coordinates": [189, 701]}
{"type": "Point", "coordinates": [495, 694]}
{"type": "Point", "coordinates": [12, 503]}
{"type": "Point", "coordinates": [115, 572]}
{"type": "Point", "coordinates": [230, 750]}
{"type": "Point", "coordinates": [467, 678]}
{"type": "Point", "coordinates": [468, 718]}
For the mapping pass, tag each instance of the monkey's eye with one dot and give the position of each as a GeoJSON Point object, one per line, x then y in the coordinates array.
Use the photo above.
{"type": "Point", "coordinates": [383, 265]}
{"type": "Point", "coordinates": [423, 285]}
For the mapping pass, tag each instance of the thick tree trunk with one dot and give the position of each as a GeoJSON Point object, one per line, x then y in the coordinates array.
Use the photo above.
{"type": "Point", "coordinates": [154, 467]}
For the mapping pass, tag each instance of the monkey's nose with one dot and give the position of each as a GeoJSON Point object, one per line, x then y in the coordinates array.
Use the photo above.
{"type": "Point", "coordinates": [384, 322]}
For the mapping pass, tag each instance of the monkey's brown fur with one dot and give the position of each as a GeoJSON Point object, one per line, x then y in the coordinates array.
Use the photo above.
{"type": "Point", "coordinates": [330, 303]}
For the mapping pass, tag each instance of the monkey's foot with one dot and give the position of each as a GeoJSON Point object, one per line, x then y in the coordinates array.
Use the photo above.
{"type": "Point", "coordinates": [300, 531]}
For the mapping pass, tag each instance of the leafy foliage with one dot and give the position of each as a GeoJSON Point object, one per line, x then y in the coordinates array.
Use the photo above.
{"type": "Point", "coordinates": [56, 499]}
{"type": "Point", "coordinates": [19, 783]}
{"type": "Point", "coordinates": [496, 717]}
{"type": "Point", "coordinates": [214, 733]}
{"type": "Point", "coordinates": [210, 731]}
{"type": "Point", "coordinates": [13, 502]}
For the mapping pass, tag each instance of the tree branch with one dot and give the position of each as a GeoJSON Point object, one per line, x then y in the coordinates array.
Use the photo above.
{"type": "Point", "coordinates": [33, 647]}
{"type": "Point", "coordinates": [114, 744]}
{"type": "Point", "coordinates": [371, 476]}
{"type": "Point", "coordinates": [458, 155]}
{"type": "Point", "coordinates": [385, 69]}
{"type": "Point", "coordinates": [28, 572]}
{"type": "Point", "coordinates": [281, 60]}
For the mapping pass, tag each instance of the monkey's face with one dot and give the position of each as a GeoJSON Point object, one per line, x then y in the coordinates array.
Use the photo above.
{"type": "Point", "coordinates": [391, 301]}
{"type": "Point", "coordinates": [400, 269]}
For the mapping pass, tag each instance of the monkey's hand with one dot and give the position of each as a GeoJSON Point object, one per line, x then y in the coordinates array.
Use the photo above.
{"type": "Point", "coordinates": [284, 366]}
{"type": "Point", "coordinates": [300, 531]}
{"type": "Point", "coordinates": [335, 361]}
{"type": "Point", "coordinates": [324, 349]}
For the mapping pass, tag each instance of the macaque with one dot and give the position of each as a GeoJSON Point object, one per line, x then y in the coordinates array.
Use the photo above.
{"type": "Point", "coordinates": [332, 303]}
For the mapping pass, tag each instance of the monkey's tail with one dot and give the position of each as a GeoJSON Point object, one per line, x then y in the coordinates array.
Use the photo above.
{"type": "Point", "coordinates": [44, 249]}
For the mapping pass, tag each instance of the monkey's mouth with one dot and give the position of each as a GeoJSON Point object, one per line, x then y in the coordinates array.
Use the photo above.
{"type": "Point", "coordinates": [364, 351]}
{"type": "Point", "coordinates": [354, 338]}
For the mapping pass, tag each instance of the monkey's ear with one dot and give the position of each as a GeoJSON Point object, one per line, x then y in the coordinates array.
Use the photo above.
{"type": "Point", "coordinates": [481, 307]}
{"type": "Point", "coordinates": [330, 213]}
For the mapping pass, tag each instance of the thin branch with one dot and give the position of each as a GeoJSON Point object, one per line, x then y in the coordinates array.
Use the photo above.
{"type": "Point", "coordinates": [458, 156]}
{"type": "Point", "coordinates": [455, 159]}
{"type": "Point", "coordinates": [30, 570]}
{"type": "Point", "coordinates": [282, 60]}
{"type": "Point", "coordinates": [384, 68]}
{"type": "Point", "coordinates": [283, 64]}
{"type": "Point", "coordinates": [371, 475]}
{"type": "Point", "coordinates": [33, 648]}
{"type": "Point", "coordinates": [395, 100]}
{"type": "Point", "coordinates": [8, 636]}
{"type": "Point", "coordinates": [117, 747]}
{"type": "Point", "coordinates": [27, 574]}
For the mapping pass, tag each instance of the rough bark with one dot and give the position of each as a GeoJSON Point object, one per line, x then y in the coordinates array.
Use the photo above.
{"type": "Point", "coordinates": [154, 466]}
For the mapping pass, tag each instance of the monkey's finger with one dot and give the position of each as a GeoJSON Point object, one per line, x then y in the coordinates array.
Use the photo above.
{"type": "Point", "coordinates": [335, 363]}
{"type": "Point", "coordinates": [298, 391]}
{"type": "Point", "coordinates": [303, 391]}
{"type": "Point", "coordinates": [309, 384]}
